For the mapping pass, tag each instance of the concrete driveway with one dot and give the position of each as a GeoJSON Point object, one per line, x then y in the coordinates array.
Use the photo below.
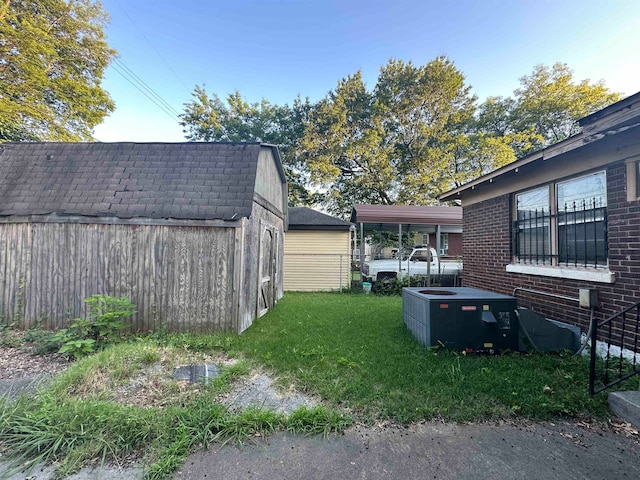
{"type": "Point", "coordinates": [431, 450]}
{"type": "Point", "coordinates": [565, 450]}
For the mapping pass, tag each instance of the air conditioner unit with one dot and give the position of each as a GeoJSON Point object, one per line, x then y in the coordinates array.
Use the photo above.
{"type": "Point", "coordinates": [461, 318]}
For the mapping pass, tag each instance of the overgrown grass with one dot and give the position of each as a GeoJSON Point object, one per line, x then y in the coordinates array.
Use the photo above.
{"type": "Point", "coordinates": [355, 352]}
{"type": "Point", "coordinates": [85, 415]}
{"type": "Point", "coordinates": [352, 351]}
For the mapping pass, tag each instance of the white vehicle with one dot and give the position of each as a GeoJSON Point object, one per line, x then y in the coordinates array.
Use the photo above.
{"type": "Point", "coordinates": [414, 261]}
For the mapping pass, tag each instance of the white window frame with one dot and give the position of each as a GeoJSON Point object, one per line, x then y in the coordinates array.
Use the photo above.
{"type": "Point", "coordinates": [444, 244]}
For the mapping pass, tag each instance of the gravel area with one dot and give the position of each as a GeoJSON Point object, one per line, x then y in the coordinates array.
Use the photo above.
{"type": "Point", "coordinates": [19, 361]}
{"type": "Point", "coordinates": [21, 370]}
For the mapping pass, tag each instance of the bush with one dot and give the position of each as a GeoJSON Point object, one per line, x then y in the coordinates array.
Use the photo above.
{"type": "Point", "coordinates": [84, 337]}
{"type": "Point", "coordinates": [389, 286]}
{"type": "Point", "coordinates": [42, 341]}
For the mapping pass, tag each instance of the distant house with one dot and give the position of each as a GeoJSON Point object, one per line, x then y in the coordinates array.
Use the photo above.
{"type": "Point", "coordinates": [192, 233]}
{"type": "Point", "coordinates": [316, 251]}
{"type": "Point", "coordinates": [562, 219]}
{"type": "Point", "coordinates": [437, 226]}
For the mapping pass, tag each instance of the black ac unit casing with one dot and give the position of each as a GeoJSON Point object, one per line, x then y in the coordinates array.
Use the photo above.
{"type": "Point", "coordinates": [466, 319]}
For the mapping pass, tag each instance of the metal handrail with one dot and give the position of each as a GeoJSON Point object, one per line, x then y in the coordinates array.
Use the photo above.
{"type": "Point", "coordinates": [635, 370]}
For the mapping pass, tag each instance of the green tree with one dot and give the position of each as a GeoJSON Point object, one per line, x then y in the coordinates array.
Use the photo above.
{"type": "Point", "coordinates": [493, 141]}
{"type": "Point", "coordinates": [550, 102]}
{"type": "Point", "coordinates": [346, 150]}
{"type": "Point", "coordinates": [426, 112]}
{"type": "Point", "coordinates": [53, 54]}
{"type": "Point", "coordinates": [399, 143]}
{"type": "Point", "coordinates": [207, 118]}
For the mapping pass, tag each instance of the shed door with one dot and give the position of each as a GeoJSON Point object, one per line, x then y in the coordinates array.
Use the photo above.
{"type": "Point", "coordinates": [266, 269]}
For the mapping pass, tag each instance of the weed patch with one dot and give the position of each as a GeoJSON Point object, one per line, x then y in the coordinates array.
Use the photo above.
{"type": "Point", "coordinates": [123, 402]}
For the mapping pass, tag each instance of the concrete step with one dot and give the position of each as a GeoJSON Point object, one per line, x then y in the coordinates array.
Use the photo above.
{"type": "Point", "coordinates": [626, 405]}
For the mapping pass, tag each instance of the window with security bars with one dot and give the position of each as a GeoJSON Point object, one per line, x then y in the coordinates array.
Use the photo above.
{"type": "Point", "coordinates": [571, 230]}
{"type": "Point", "coordinates": [533, 227]}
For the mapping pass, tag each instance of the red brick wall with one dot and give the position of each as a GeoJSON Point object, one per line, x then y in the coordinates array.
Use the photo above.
{"type": "Point", "coordinates": [455, 245]}
{"type": "Point", "coordinates": [487, 250]}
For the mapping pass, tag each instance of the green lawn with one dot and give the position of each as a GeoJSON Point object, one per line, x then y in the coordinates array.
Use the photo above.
{"type": "Point", "coordinates": [355, 352]}
{"type": "Point", "coordinates": [350, 350]}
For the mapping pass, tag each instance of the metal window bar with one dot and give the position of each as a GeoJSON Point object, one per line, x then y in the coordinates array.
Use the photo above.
{"type": "Point", "coordinates": [530, 232]}
{"type": "Point", "coordinates": [584, 224]}
{"type": "Point", "coordinates": [620, 361]}
{"type": "Point", "coordinates": [583, 245]}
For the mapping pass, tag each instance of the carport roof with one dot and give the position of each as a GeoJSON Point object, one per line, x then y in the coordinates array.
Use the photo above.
{"type": "Point", "coordinates": [387, 216]}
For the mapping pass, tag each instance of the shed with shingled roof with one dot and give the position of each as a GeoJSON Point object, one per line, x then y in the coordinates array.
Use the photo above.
{"type": "Point", "coordinates": [191, 232]}
{"type": "Point", "coordinates": [316, 251]}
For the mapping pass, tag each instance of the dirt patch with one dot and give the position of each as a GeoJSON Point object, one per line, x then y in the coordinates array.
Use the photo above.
{"type": "Point", "coordinates": [259, 391]}
{"type": "Point", "coordinates": [154, 386]}
{"type": "Point", "coordinates": [19, 362]}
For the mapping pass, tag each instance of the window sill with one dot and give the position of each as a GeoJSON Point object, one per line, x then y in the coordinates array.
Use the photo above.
{"type": "Point", "coordinates": [588, 275]}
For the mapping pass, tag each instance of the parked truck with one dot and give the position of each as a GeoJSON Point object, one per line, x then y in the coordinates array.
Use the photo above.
{"type": "Point", "coordinates": [420, 260]}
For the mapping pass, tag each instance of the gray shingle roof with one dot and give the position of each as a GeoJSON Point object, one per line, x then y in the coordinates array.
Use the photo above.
{"type": "Point", "coordinates": [125, 180]}
{"type": "Point", "coordinates": [303, 218]}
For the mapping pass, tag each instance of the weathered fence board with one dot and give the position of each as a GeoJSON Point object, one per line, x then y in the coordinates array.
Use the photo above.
{"type": "Point", "coordinates": [181, 276]}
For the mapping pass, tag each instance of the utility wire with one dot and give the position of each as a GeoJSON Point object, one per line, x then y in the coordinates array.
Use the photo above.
{"type": "Point", "coordinates": [131, 77]}
{"type": "Point", "coordinates": [128, 78]}
{"type": "Point", "coordinates": [151, 45]}
{"type": "Point", "coordinates": [135, 78]}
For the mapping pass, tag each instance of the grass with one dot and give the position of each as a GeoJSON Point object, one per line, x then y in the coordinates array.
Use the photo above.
{"type": "Point", "coordinates": [90, 413]}
{"type": "Point", "coordinates": [355, 352]}
{"type": "Point", "coordinates": [350, 350]}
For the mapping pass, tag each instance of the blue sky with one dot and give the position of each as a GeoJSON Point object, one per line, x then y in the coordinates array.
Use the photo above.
{"type": "Point", "coordinates": [280, 49]}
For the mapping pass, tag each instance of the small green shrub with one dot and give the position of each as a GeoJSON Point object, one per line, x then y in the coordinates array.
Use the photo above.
{"type": "Point", "coordinates": [42, 341]}
{"type": "Point", "coordinates": [78, 348]}
{"type": "Point", "coordinates": [84, 337]}
{"type": "Point", "coordinates": [390, 286]}
{"type": "Point", "coordinates": [8, 338]}
{"type": "Point", "coordinates": [108, 313]}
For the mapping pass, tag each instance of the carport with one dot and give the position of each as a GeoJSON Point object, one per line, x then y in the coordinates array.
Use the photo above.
{"type": "Point", "coordinates": [407, 219]}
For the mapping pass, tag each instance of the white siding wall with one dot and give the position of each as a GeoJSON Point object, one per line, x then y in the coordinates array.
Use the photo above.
{"type": "Point", "coordinates": [316, 260]}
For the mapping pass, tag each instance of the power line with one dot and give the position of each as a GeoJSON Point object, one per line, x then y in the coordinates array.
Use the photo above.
{"type": "Point", "coordinates": [135, 80]}
{"type": "Point", "coordinates": [146, 87]}
{"type": "Point", "coordinates": [151, 45]}
{"type": "Point", "coordinates": [151, 96]}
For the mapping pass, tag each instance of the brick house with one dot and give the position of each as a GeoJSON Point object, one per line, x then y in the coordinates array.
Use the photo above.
{"type": "Point", "coordinates": [562, 219]}
{"type": "Point", "coordinates": [192, 233]}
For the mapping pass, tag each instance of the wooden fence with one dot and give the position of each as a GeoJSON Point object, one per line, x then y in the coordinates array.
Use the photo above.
{"type": "Point", "coordinates": [182, 276]}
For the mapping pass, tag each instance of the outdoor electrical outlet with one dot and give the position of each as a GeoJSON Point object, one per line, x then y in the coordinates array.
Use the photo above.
{"type": "Point", "coordinates": [588, 297]}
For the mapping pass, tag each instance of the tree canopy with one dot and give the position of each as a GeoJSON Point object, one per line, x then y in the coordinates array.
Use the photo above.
{"type": "Point", "coordinates": [416, 134]}
{"type": "Point", "coordinates": [207, 118]}
{"type": "Point", "coordinates": [549, 102]}
{"type": "Point", "coordinates": [53, 54]}
{"type": "Point", "coordinates": [394, 144]}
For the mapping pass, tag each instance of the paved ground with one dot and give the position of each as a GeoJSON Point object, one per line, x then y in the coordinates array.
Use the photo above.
{"type": "Point", "coordinates": [430, 450]}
